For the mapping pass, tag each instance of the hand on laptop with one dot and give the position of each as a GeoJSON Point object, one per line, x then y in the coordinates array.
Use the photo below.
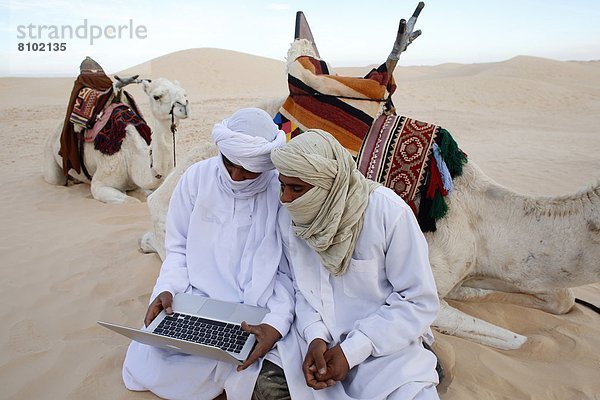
{"type": "Point", "coordinates": [266, 336]}
{"type": "Point", "coordinates": [162, 302]}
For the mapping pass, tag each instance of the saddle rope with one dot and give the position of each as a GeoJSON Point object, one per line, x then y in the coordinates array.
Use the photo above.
{"type": "Point", "coordinates": [173, 131]}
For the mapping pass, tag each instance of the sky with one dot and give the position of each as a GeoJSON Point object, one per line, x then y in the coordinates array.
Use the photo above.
{"type": "Point", "coordinates": [51, 38]}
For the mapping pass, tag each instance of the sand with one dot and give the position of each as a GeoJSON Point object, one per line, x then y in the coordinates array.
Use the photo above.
{"type": "Point", "coordinates": [68, 260]}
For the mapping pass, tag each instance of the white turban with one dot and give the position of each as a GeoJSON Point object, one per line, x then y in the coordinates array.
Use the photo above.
{"type": "Point", "coordinates": [329, 217]}
{"type": "Point", "coordinates": [247, 138]}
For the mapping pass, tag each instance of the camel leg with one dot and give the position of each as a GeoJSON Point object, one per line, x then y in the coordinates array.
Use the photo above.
{"type": "Point", "coordinates": [109, 181]}
{"type": "Point", "coordinates": [53, 173]}
{"type": "Point", "coordinates": [159, 241]}
{"type": "Point", "coordinates": [143, 192]}
{"type": "Point", "coordinates": [51, 170]}
{"type": "Point", "coordinates": [147, 243]}
{"type": "Point", "coordinates": [454, 322]}
{"type": "Point", "coordinates": [107, 194]}
{"type": "Point", "coordinates": [154, 241]}
{"type": "Point", "coordinates": [104, 187]}
{"type": "Point", "coordinates": [159, 222]}
{"type": "Point", "coordinates": [556, 301]}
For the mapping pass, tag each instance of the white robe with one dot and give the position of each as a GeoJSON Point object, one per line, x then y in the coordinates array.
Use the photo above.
{"type": "Point", "coordinates": [208, 233]}
{"type": "Point", "coordinates": [379, 311]}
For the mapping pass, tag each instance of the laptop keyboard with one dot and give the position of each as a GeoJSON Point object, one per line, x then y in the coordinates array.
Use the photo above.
{"type": "Point", "coordinates": [229, 337]}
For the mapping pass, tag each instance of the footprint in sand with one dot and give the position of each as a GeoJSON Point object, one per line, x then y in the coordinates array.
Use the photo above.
{"type": "Point", "coordinates": [26, 337]}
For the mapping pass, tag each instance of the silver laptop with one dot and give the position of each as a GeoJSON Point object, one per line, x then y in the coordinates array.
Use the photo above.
{"type": "Point", "coordinates": [200, 326]}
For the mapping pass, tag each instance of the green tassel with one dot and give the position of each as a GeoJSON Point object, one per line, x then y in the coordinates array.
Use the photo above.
{"type": "Point", "coordinates": [451, 154]}
{"type": "Point", "coordinates": [439, 208]}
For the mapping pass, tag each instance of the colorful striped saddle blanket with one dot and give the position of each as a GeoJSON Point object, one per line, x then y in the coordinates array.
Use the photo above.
{"type": "Point", "coordinates": [344, 106]}
{"type": "Point", "coordinates": [88, 104]}
{"type": "Point", "coordinates": [415, 159]}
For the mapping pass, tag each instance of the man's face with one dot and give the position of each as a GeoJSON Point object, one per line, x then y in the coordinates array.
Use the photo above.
{"type": "Point", "coordinates": [292, 188]}
{"type": "Point", "coordinates": [237, 172]}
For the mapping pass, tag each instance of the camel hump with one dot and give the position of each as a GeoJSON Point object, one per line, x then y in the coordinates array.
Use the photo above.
{"type": "Point", "coordinates": [303, 31]}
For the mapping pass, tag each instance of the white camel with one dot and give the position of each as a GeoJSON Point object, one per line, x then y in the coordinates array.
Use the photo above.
{"type": "Point", "coordinates": [158, 201]}
{"type": "Point", "coordinates": [493, 243]}
{"type": "Point", "coordinates": [500, 245]}
{"type": "Point", "coordinates": [136, 164]}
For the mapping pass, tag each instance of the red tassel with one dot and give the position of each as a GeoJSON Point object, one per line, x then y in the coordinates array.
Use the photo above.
{"type": "Point", "coordinates": [435, 180]}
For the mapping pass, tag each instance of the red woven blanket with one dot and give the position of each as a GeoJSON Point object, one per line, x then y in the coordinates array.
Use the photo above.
{"type": "Point", "coordinates": [395, 153]}
{"type": "Point", "coordinates": [109, 139]}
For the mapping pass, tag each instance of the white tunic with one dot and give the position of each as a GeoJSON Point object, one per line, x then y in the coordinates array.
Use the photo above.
{"type": "Point", "coordinates": [224, 248]}
{"type": "Point", "coordinates": [380, 310]}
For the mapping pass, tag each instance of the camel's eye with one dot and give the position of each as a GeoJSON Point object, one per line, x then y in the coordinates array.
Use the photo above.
{"type": "Point", "coordinates": [157, 97]}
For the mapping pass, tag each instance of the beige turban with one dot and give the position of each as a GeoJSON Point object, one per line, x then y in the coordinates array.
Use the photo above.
{"type": "Point", "coordinates": [329, 217]}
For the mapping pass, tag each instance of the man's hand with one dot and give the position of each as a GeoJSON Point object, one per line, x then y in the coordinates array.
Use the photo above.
{"type": "Point", "coordinates": [315, 365]}
{"type": "Point", "coordinates": [266, 336]}
{"type": "Point", "coordinates": [162, 302]}
{"type": "Point", "coordinates": [337, 365]}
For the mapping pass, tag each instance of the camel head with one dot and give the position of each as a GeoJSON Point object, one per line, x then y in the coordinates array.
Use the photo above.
{"type": "Point", "coordinates": [167, 99]}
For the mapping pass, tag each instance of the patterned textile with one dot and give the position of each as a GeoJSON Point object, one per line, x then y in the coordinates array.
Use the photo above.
{"type": "Point", "coordinates": [343, 106]}
{"type": "Point", "coordinates": [109, 139]}
{"type": "Point", "coordinates": [87, 105]}
{"type": "Point", "coordinates": [396, 152]}
{"type": "Point", "coordinates": [90, 134]}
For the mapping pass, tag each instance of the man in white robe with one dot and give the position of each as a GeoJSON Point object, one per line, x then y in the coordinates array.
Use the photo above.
{"type": "Point", "coordinates": [365, 293]}
{"type": "Point", "coordinates": [221, 242]}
